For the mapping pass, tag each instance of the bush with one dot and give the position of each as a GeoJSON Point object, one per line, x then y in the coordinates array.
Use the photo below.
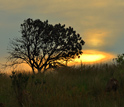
{"type": "Point", "coordinates": [19, 84]}
{"type": "Point", "coordinates": [119, 60]}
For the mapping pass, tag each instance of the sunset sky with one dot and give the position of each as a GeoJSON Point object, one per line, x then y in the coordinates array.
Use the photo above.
{"type": "Point", "coordinates": [99, 22]}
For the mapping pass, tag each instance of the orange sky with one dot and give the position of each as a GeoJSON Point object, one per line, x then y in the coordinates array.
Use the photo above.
{"type": "Point", "coordinates": [92, 56]}
{"type": "Point", "coordinates": [88, 57]}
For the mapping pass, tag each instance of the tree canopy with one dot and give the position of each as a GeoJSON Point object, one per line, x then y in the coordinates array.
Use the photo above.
{"type": "Point", "coordinates": [43, 45]}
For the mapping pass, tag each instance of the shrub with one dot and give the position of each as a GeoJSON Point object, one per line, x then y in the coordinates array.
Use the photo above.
{"type": "Point", "coordinates": [119, 60]}
{"type": "Point", "coordinates": [19, 84]}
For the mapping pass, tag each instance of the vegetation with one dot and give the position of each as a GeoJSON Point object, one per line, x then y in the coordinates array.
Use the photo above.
{"type": "Point", "coordinates": [64, 87]}
{"type": "Point", "coordinates": [44, 45]}
{"type": "Point", "coordinates": [119, 61]}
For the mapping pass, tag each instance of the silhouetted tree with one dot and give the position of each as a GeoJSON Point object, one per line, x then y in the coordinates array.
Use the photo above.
{"type": "Point", "coordinates": [43, 45]}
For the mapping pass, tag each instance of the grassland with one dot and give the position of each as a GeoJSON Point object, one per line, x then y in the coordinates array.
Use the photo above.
{"type": "Point", "coordinates": [65, 87]}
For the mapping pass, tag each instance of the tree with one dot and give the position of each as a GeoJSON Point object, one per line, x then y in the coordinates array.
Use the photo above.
{"type": "Point", "coordinates": [44, 45]}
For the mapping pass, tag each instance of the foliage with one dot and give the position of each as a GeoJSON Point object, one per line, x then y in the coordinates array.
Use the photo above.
{"type": "Point", "coordinates": [119, 60]}
{"type": "Point", "coordinates": [43, 45]}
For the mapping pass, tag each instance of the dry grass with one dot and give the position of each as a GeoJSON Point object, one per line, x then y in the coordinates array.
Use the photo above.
{"type": "Point", "coordinates": [68, 87]}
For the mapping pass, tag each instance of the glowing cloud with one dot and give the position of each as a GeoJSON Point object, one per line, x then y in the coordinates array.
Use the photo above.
{"type": "Point", "coordinates": [92, 56]}
{"type": "Point", "coordinates": [96, 37]}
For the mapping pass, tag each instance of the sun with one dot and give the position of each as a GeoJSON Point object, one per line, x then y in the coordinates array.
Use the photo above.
{"type": "Point", "coordinates": [92, 56]}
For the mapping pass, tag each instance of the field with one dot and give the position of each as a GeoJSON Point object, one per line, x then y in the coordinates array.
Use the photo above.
{"type": "Point", "coordinates": [64, 87]}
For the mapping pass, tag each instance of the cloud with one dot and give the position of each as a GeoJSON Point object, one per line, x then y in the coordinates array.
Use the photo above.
{"type": "Point", "coordinates": [99, 22]}
{"type": "Point", "coordinates": [93, 56]}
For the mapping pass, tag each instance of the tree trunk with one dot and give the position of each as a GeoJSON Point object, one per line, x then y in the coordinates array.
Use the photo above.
{"type": "Point", "coordinates": [33, 70]}
{"type": "Point", "coordinates": [66, 62]}
{"type": "Point", "coordinates": [39, 70]}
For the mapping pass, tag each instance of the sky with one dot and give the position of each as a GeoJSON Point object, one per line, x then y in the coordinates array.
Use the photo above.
{"type": "Point", "coordinates": [99, 22]}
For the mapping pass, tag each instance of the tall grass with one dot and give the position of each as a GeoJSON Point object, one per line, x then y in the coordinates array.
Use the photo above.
{"type": "Point", "coordinates": [67, 87]}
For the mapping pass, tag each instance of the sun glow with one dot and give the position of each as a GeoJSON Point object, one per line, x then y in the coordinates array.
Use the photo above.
{"type": "Point", "coordinates": [88, 57]}
{"type": "Point", "coordinates": [91, 56]}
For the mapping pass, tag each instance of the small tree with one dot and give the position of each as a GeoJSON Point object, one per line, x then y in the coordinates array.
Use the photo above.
{"type": "Point", "coordinates": [43, 45]}
{"type": "Point", "coordinates": [119, 61]}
